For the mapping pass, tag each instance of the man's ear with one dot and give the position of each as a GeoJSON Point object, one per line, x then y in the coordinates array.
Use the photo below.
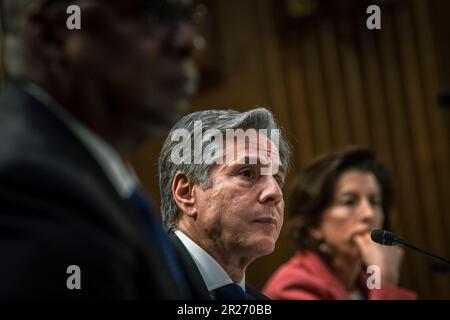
{"type": "Point", "coordinates": [182, 192]}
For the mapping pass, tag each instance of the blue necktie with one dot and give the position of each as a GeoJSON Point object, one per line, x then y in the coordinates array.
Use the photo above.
{"type": "Point", "coordinates": [230, 292]}
{"type": "Point", "coordinates": [159, 238]}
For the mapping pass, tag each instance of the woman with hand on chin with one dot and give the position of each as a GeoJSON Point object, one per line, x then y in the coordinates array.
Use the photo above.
{"type": "Point", "coordinates": [336, 202]}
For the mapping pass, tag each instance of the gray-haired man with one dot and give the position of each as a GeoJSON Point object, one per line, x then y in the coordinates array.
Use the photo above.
{"type": "Point", "coordinates": [222, 197]}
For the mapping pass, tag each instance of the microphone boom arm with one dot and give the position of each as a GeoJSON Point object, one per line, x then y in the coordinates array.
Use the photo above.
{"type": "Point", "coordinates": [387, 238]}
{"type": "Point", "coordinates": [423, 251]}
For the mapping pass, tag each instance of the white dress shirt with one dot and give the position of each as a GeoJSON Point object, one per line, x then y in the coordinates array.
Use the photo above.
{"type": "Point", "coordinates": [211, 271]}
{"type": "Point", "coordinates": [121, 175]}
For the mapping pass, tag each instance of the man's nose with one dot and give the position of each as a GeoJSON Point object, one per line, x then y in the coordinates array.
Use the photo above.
{"type": "Point", "coordinates": [183, 40]}
{"type": "Point", "coordinates": [271, 191]}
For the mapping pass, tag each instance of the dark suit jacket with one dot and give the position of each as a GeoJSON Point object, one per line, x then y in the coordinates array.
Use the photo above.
{"type": "Point", "coordinates": [194, 273]}
{"type": "Point", "coordinates": [57, 208]}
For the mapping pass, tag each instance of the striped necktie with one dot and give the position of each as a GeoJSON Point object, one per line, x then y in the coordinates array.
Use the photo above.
{"type": "Point", "coordinates": [230, 292]}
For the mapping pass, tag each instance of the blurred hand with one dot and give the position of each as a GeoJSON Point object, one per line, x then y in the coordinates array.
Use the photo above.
{"type": "Point", "coordinates": [389, 259]}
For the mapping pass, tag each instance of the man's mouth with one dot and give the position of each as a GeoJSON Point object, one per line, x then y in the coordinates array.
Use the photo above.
{"type": "Point", "coordinates": [267, 220]}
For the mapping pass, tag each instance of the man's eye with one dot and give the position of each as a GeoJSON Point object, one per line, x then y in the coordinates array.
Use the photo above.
{"type": "Point", "coordinates": [247, 173]}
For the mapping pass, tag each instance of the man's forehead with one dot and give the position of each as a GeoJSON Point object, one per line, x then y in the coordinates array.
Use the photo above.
{"type": "Point", "coordinates": [178, 8]}
{"type": "Point", "coordinates": [167, 3]}
{"type": "Point", "coordinates": [258, 159]}
{"type": "Point", "coordinates": [262, 146]}
{"type": "Point", "coordinates": [262, 142]}
{"type": "Point", "coordinates": [166, 9]}
{"type": "Point", "coordinates": [169, 10]}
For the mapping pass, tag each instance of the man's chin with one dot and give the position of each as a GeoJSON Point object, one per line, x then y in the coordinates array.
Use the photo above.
{"type": "Point", "coordinates": [155, 123]}
{"type": "Point", "coordinates": [266, 247]}
{"type": "Point", "coordinates": [168, 113]}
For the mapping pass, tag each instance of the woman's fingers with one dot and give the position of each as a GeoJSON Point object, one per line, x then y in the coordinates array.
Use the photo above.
{"type": "Point", "coordinates": [388, 259]}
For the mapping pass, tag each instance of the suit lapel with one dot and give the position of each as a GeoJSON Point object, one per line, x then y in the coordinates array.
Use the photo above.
{"type": "Point", "coordinates": [255, 294]}
{"type": "Point", "coordinates": [195, 278]}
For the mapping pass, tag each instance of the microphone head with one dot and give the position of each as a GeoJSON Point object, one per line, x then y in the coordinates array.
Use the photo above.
{"type": "Point", "coordinates": [443, 98]}
{"type": "Point", "coordinates": [377, 236]}
{"type": "Point", "coordinates": [384, 237]}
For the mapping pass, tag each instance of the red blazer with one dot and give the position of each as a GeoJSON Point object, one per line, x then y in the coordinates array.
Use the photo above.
{"type": "Point", "coordinates": [306, 277]}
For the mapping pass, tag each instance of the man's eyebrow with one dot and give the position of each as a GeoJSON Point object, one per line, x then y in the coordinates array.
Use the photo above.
{"type": "Point", "coordinates": [257, 161]}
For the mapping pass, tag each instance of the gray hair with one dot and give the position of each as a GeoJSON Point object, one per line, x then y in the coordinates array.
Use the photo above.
{"type": "Point", "coordinates": [14, 16]}
{"type": "Point", "coordinates": [259, 118]}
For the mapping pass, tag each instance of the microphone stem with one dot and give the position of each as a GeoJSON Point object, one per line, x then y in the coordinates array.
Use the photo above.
{"type": "Point", "coordinates": [424, 252]}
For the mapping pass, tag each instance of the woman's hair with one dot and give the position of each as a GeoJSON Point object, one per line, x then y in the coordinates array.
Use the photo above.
{"type": "Point", "coordinates": [314, 191]}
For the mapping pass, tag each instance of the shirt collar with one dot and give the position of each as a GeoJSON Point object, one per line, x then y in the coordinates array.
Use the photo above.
{"type": "Point", "coordinates": [119, 174]}
{"type": "Point", "coordinates": [211, 271]}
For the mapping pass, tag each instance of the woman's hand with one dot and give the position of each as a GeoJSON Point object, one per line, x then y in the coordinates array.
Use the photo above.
{"type": "Point", "coordinates": [389, 259]}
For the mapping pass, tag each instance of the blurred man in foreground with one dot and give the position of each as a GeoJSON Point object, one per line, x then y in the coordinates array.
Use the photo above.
{"type": "Point", "coordinates": [73, 220]}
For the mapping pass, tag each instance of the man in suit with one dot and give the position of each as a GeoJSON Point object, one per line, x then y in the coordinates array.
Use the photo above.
{"type": "Point", "coordinates": [222, 201]}
{"type": "Point", "coordinates": [73, 221]}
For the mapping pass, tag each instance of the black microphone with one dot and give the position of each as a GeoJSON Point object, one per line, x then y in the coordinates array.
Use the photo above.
{"type": "Point", "coordinates": [443, 98]}
{"type": "Point", "coordinates": [387, 238]}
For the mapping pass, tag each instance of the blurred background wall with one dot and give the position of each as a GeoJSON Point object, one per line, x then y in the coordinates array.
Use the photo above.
{"type": "Point", "coordinates": [331, 82]}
